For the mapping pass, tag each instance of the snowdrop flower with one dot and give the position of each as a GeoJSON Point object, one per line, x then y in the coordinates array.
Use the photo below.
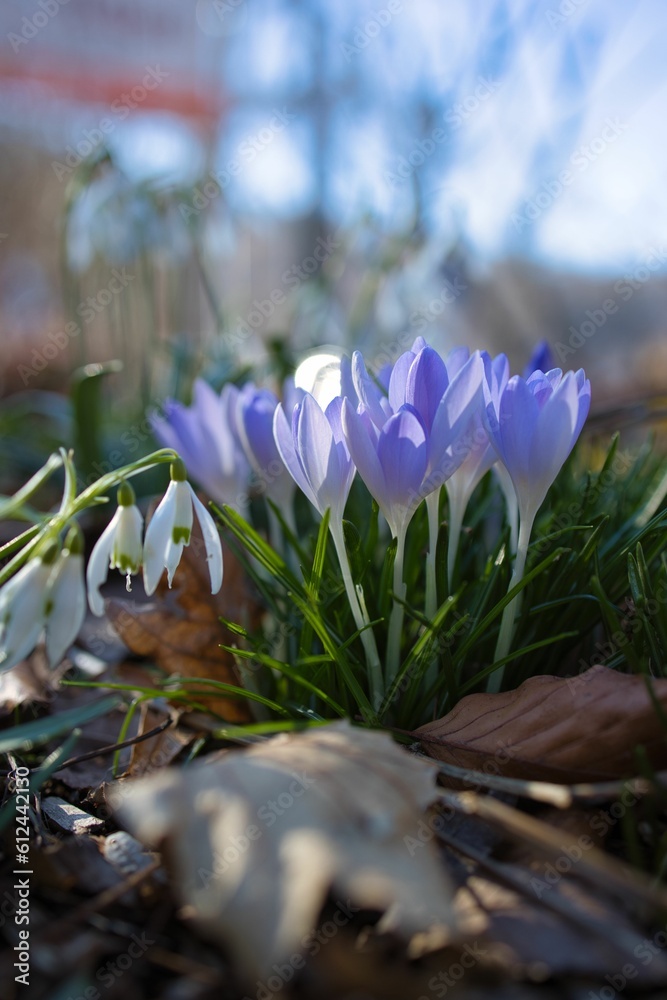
{"type": "Point", "coordinates": [206, 435]}
{"type": "Point", "coordinates": [533, 425]}
{"type": "Point", "coordinates": [66, 599]}
{"type": "Point", "coordinates": [47, 595]}
{"type": "Point", "coordinates": [118, 547]}
{"type": "Point", "coordinates": [170, 530]}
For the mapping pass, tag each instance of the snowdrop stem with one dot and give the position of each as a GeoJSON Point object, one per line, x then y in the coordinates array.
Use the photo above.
{"type": "Point", "coordinates": [506, 633]}
{"type": "Point", "coordinates": [360, 619]}
{"type": "Point", "coordinates": [433, 512]}
{"type": "Point", "coordinates": [396, 618]}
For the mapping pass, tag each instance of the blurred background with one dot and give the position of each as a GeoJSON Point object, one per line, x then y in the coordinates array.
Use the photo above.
{"type": "Point", "coordinates": [198, 185]}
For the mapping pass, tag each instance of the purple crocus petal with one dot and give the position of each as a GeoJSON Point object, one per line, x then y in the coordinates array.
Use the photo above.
{"type": "Point", "coordinates": [426, 384]}
{"type": "Point", "coordinates": [346, 467]}
{"type": "Point", "coordinates": [257, 407]}
{"type": "Point", "coordinates": [541, 359]}
{"type": "Point", "coordinates": [162, 429]}
{"type": "Point", "coordinates": [398, 380]}
{"type": "Point", "coordinates": [584, 390]}
{"type": "Point", "coordinates": [533, 426]}
{"type": "Point", "coordinates": [347, 385]}
{"type": "Point", "coordinates": [205, 436]}
{"type": "Point", "coordinates": [418, 345]}
{"type": "Point", "coordinates": [461, 400]}
{"type": "Point", "coordinates": [384, 375]}
{"type": "Point", "coordinates": [518, 416]}
{"type": "Point", "coordinates": [292, 394]}
{"type": "Point", "coordinates": [368, 392]}
{"type": "Point", "coordinates": [456, 359]}
{"type": "Point", "coordinates": [402, 455]}
{"type": "Point", "coordinates": [284, 438]}
{"type": "Point", "coordinates": [315, 446]}
{"type": "Point", "coordinates": [361, 436]}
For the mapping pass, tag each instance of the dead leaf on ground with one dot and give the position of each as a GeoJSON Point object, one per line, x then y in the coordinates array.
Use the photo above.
{"type": "Point", "coordinates": [576, 729]}
{"type": "Point", "coordinates": [259, 839]}
{"type": "Point", "coordinates": [30, 682]}
{"type": "Point", "coordinates": [181, 631]}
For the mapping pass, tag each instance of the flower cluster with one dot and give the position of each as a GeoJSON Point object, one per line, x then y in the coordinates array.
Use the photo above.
{"type": "Point", "coordinates": [426, 423]}
{"type": "Point", "coordinates": [47, 595]}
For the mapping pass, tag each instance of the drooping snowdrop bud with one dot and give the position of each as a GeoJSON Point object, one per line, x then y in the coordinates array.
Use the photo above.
{"type": "Point", "coordinates": [118, 547]}
{"type": "Point", "coordinates": [170, 530]}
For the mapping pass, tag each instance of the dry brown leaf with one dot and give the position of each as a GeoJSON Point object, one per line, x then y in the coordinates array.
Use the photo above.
{"type": "Point", "coordinates": [258, 839]}
{"type": "Point", "coordinates": [30, 681]}
{"type": "Point", "coordinates": [181, 631]}
{"type": "Point", "coordinates": [576, 729]}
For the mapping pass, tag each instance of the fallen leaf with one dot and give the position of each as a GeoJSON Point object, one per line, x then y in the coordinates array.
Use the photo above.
{"type": "Point", "coordinates": [159, 750]}
{"type": "Point", "coordinates": [30, 682]}
{"type": "Point", "coordinates": [181, 630]}
{"type": "Point", "coordinates": [259, 839]}
{"type": "Point", "coordinates": [583, 728]}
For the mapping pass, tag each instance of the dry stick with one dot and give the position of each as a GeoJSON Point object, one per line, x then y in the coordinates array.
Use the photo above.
{"type": "Point", "coordinates": [555, 902]}
{"type": "Point", "coordinates": [560, 796]}
{"type": "Point", "coordinates": [112, 747]}
{"type": "Point", "coordinates": [100, 902]}
{"type": "Point", "coordinates": [613, 876]}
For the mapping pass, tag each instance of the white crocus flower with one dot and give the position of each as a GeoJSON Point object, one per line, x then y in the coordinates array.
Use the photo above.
{"type": "Point", "coordinates": [118, 547]}
{"type": "Point", "coordinates": [170, 530]}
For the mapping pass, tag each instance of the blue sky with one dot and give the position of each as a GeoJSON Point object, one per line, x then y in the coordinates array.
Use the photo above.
{"type": "Point", "coordinates": [533, 127]}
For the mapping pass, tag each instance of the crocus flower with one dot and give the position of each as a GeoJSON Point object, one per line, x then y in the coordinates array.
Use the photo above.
{"type": "Point", "coordinates": [446, 395]}
{"type": "Point", "coordinates": [314, 451]}
{"type": "Point", "coordinates": [170, 530]}
{"type": "Point", "coordinates": [118, 547]}
{"type": "Point", "coordinates": [47, 595]}
{"type": "Point", "coordinates": [542, 359]}
{"type": "Point", "coordinates": [316, 455]}
{"type": "Point", "coordinates": [533, 425]}
{"type": "Point", "coordinates": [392, 462]}
{"type": "Point", "coordinates": [478, 457]}
{"type": "Point", "coordinates": [206, 436]}
{"type": "Point", "coordinates": [256, 411]}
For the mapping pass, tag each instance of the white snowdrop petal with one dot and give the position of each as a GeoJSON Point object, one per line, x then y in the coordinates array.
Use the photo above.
{"type": "Point", "coordinates": [158, 535]}
{"type": "Point", "coordinates": [24, 613]}
{"type": "Point", "coordinates": [211, 541]}
{"type": "Point", "coordinates": [67, 598]}
{"type": "Point", "coordinates": [98, 566]}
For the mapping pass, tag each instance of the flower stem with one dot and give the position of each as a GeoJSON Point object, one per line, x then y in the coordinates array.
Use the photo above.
{"type": "Point", "coordinates": [433, 512]}
{"type": "Point", "coordinates": [457, 508]}
{"type": "Point", "coordinates": [506, 633]}
{"type": "Point", "coordinates": [396, 618]}
{"type": "Point", "coordinates": [361, 621]}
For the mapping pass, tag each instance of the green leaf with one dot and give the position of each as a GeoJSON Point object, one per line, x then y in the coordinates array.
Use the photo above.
{"type": "Point", "coordinates": [32, 734]}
